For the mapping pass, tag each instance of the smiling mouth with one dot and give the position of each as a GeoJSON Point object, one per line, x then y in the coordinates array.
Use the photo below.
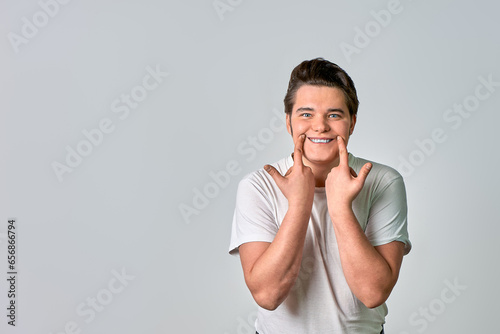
{"type": "Point", "coordinates": [320, 140]}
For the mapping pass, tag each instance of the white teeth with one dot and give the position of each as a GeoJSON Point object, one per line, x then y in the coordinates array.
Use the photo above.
{"type": "Point", "coordinates": [320, 140]}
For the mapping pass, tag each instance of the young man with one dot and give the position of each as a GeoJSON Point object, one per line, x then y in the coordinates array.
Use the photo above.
{"type": "Point", "coordinates": [321, 234]}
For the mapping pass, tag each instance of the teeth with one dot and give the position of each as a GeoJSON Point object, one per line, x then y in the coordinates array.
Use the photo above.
{"type": "Point", "coordinates": [320, 140]}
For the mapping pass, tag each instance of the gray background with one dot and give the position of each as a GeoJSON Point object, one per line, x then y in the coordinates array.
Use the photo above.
{"type": "Point", "coordinates": [119, 210]}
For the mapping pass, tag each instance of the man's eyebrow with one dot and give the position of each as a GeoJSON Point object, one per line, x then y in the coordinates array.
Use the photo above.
{"type": "Point", "coordinates": [304, 109]}
{"type": "Point", "coordinates": [312, 109]}
{"type": "Point", "coordinates": [336, 109]}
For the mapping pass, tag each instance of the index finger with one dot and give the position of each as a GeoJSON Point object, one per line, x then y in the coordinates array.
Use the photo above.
{"type": "Point", "coordinates": [343, 155]}
{"type": "Point", "coordinates": [299, 149]}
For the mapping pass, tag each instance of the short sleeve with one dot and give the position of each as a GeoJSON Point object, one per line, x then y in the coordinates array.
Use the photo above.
{"type": "Point", "coordinates": [387, 220]}
{"type": "Point", "coordinates": [254, 217]}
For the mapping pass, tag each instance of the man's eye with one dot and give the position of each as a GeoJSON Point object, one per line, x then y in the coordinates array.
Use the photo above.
{"type": "Point", "coordinates": [306, 114]}
{"type": "Point", "coordinates": [334, 115]}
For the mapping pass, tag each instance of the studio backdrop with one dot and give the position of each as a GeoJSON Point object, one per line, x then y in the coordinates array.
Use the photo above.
{"type": "Point", "coordinates": [126, 126]}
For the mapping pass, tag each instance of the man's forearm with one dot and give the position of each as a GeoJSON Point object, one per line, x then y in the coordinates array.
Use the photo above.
{"type": "Point", "coordinates": [367, 273]}
{"type": "Point", "coordinates": [275, 272]}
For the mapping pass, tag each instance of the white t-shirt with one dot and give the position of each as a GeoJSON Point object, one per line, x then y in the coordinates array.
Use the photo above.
{"type": "Point", "coordinates": [321, 301]}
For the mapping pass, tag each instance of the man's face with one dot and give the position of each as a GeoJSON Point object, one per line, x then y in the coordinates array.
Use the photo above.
{"type": "Point", "coordinates": [321, 114]}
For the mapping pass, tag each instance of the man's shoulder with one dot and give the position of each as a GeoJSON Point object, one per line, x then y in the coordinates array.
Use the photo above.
{"type": "Point", "coordinates": [260, 184]}
{"type": "Point", "coordinates": [260, 176]}
{"type": "Point", "coordinates": [379, 170]}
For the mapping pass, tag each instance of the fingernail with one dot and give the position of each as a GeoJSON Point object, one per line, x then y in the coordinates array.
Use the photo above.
{"type": "Point", "coordinates": [267, 168]}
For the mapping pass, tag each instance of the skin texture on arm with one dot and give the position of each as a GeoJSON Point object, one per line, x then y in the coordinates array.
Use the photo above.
{"type": "Point", "coordinates": [270, 269]}
{"type": "Point", "coordinates": [371, 272]}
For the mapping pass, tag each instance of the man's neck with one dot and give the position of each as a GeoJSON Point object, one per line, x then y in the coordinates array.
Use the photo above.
{"type": "Point", "coordinates": [320, 171]}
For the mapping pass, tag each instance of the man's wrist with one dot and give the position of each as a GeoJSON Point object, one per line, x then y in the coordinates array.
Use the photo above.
{"type": "Point", "coordinates": [340, 210]}
{"type": "Point", "coordinates": [302, 209]}
{"type": "Point", "coordinates": [301, 203]}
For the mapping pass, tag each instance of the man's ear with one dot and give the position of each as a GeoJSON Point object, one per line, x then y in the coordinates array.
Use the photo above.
{"type": "Point", "coordinates": [288, 124]}
{"type": "Point", "coordinates": [353, 123]}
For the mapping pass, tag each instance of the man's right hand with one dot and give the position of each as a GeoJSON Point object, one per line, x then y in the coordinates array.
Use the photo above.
{"type": "Point", "coordinates": [298, 183]}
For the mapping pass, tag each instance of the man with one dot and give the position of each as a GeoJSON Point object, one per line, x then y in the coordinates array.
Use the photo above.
{"type": "Point", "coordinates": [321, 234]}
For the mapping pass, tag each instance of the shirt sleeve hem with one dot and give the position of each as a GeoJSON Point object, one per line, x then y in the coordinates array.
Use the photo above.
{"type": "Point", "coordinates": [405, 241]}
{"type": "Point", "coordinates": [233, 248]}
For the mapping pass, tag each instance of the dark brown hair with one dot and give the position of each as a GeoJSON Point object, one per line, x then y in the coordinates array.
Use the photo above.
{"type": "Point", "coordinates": [321, 72]}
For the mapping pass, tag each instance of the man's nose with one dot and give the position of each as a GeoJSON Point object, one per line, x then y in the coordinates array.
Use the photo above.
{"type": "Point", "coordinates": [321, 124]}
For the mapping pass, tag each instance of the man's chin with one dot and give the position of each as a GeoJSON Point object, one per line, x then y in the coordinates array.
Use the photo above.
{"type": "Point", "coordinates": [320, 159]}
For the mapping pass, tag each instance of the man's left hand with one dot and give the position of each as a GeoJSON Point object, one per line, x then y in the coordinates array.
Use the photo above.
{"type": "Point", "coordinates": [342, 184]}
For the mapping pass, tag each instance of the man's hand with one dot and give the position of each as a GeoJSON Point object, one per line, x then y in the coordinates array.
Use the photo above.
{"type": "Point", "coordinates": [298, 183]}
{"type": "Point", "coordinates": [342, 184]}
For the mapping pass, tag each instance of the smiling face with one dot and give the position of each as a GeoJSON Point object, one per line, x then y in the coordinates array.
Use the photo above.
{"type": "Point", "coordinates": [320, 112]}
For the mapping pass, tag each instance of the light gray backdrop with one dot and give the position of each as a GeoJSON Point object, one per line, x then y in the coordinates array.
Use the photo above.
{"type": "Point", "coordinates": [126, 126]}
